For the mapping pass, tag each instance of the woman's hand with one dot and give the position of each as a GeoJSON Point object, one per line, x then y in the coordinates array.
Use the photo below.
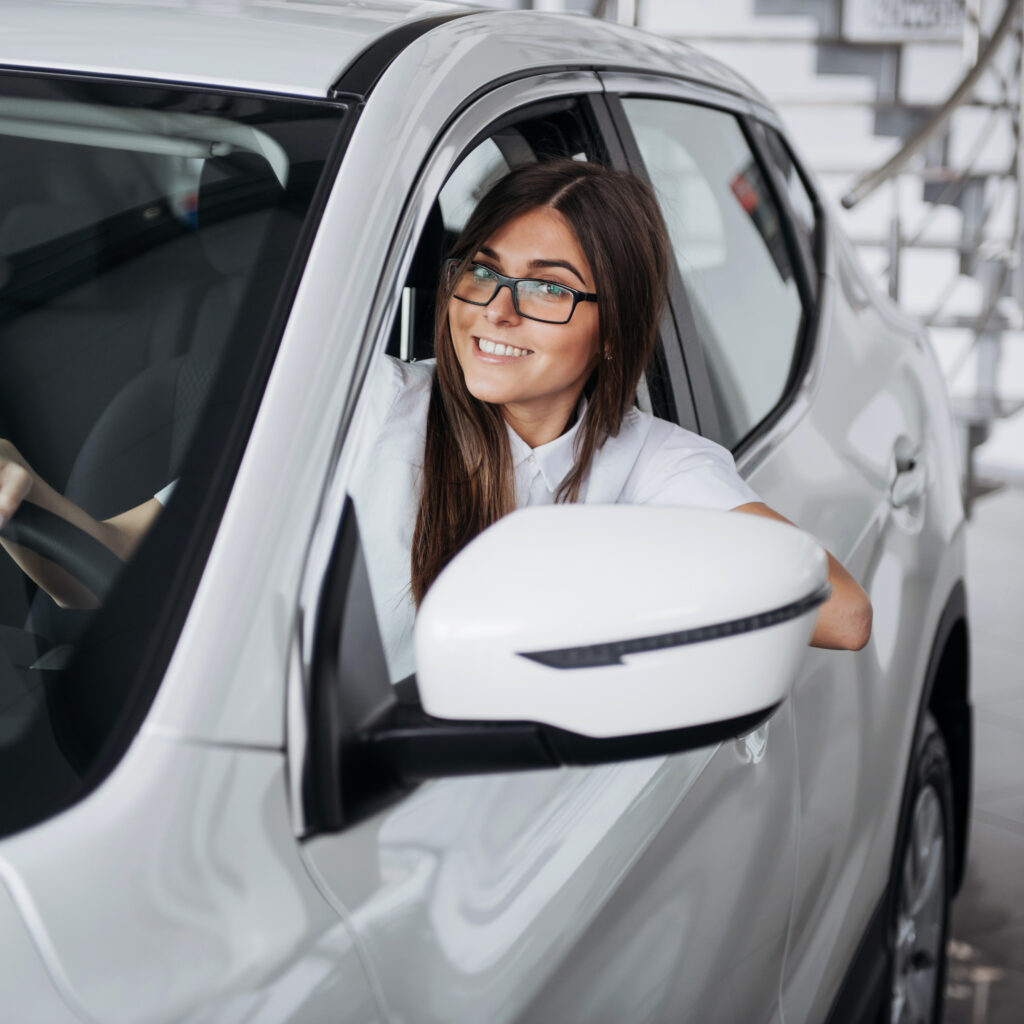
{"type": "Point", "coordinates": [844, 620]}
{"type": "Point", "coordinates": [16, 481]}
{"type": "Point", "coordinates": [122, 533]}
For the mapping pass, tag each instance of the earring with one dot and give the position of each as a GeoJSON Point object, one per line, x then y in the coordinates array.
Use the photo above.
{"type": "Point", "coordinates": [607, 357]}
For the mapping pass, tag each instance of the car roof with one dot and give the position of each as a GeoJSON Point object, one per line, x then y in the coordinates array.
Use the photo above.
{"type": "Point", "coordinates": [287, 46]}
{"type": "Point", "coordinates": [302, 47]}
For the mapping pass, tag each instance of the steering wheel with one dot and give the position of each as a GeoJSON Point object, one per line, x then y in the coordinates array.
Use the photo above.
{"type": "Point", "coordinates": [90, 562]}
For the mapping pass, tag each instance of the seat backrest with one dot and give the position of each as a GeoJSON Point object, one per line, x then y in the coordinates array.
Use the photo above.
{"type": "Point", "coordinates": [135, 447]}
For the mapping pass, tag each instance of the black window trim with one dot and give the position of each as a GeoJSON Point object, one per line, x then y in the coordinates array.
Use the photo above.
{"type": "Point", "coordinates": [809, 270]}
{"type": "Point", "coordinates": [689, 360]}
{"type": "Point", "coordinates": [669, 369]}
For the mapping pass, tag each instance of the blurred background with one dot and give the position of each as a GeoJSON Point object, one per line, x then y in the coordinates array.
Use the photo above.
{"type": "Point", "coordinates": [909, 113]}
{"type": "Point", "coordinates": [907, 110]}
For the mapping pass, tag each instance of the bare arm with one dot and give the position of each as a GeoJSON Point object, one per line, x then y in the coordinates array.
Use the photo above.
{"type": "Point", "coordinates": [844, 620]}
{"type": "Point", "coordinates": [121, 533]}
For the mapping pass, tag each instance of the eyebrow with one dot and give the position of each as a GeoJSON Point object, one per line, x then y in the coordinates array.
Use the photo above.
{"type": "Point", "coordinates": [565, 264]}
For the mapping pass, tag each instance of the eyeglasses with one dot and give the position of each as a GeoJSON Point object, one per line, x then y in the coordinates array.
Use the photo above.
{"type": "Point", "coordinates": [546, 301]}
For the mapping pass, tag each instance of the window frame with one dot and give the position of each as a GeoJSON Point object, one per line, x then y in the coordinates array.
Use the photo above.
{"type": "Point", "coordinates": [808, 273]}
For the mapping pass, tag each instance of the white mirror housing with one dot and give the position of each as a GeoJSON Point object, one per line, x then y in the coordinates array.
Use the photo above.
{"type": "Point", "coordinates": [619, 620]}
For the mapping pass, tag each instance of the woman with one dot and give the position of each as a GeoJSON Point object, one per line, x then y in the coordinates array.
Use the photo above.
{"type": "Point", "coordinates": [547, 318]}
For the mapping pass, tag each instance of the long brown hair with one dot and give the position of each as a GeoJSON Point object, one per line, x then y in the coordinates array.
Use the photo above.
{"type": "Point", "coordinates": [468, 480]}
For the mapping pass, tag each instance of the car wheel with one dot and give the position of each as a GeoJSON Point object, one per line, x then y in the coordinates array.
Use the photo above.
{"type": "Point", "coordinates": [922, 885]}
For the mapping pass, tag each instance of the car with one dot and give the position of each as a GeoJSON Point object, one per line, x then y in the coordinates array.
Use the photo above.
{"type": "Point", "coordinates": [221, 802]}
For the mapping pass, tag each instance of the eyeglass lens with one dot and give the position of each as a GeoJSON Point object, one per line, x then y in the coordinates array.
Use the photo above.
{"type": "Point", "coordinates": [543, 300]}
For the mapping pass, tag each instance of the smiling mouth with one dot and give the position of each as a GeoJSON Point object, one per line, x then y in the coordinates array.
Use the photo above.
{"type": "Point", "coordinates": [494, 348]}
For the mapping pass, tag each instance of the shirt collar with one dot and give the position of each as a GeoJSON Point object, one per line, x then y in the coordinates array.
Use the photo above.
{"type": "Point", "coordinates": [554, 459]}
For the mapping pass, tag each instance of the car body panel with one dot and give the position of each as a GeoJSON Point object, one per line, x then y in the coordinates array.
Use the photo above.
{"type": "Point", "coordinates": [537, 896]}
{"type": "Point", "coordinates": [186, 877]}
{"type": "Point", "coordinates": [33, 987]}
{"type": "Point", "coordinates": [874, 380]}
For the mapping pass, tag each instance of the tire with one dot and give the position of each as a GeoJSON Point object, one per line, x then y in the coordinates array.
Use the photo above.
{"type": "Point", "coordinates": [921, 886]}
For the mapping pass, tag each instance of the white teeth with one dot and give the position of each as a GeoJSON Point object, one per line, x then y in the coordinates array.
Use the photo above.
{"type": "Point", "coordinates": [494, 348]}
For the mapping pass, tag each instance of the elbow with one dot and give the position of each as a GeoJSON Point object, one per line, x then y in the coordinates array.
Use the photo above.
{"type": "Point", "coordinates": [845, 623]}
{"type": "Point", "coordinates": [860, 626]}
{"type": "Point", "coordinates": [856, 623]}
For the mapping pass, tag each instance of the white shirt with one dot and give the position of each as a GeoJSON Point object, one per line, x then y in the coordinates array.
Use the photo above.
{"type": "Point", "coordinates": [649, 462]}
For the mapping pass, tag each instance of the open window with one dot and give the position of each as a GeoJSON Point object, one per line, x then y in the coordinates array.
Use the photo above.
{"type": "Point", "coordinates": [558, 128]}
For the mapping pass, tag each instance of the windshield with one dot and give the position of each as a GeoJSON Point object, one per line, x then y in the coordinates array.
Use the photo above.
{"type": "Point", "coordinates": [151, 239]}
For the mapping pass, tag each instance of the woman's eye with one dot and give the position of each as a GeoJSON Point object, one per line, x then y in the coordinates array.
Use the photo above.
{"type": "Point", "coordinates": [482, 274]}
{"type": "Point", "coordinates": [552, 291]}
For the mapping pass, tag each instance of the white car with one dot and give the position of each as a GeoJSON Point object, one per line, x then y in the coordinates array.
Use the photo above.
{"type": "Point", "coordinates": [218, 805]}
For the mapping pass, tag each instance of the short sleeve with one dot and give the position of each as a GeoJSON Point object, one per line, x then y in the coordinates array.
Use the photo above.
{"type": "Point", "coordinates": [683, 468]}
{"type": "Point", "coordinates": [164, 495]}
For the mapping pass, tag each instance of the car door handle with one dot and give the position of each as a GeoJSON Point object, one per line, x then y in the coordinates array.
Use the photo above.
{"type": "Point", "coordinates": [911, 473]}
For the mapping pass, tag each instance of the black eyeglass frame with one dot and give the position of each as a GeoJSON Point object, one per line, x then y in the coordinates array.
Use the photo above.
{"type": "Point", "coordinates": [511, 283]}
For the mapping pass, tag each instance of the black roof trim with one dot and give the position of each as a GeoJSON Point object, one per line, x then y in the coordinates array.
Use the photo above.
{"type": "Point", "coordinates": [359, 78]}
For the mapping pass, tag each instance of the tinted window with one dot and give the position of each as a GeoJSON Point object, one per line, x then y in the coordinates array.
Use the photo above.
{"type": "Point", "coordinates": [144, 236]}
{"type": "Point", "coordinates": [727, 236]}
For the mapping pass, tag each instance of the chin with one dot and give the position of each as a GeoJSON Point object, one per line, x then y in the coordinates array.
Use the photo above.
{"type": "Point", "coordinates": [492, 394]}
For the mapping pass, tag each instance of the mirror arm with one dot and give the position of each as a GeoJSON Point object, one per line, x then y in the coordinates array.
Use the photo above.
{"type": "Point", "coordinates": [409, 746]}
{"type": "Point", "coordinates": [402, 746]}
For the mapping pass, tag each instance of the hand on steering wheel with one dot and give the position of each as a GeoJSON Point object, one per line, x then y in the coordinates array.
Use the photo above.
{"type": "Point", "coordinates": [47, 534]}
{"type": "Point", "coordinates": [73, 550]}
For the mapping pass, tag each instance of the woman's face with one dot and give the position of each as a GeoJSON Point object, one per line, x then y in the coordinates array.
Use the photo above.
{"type": "Point", "coordinates": [537, 389]}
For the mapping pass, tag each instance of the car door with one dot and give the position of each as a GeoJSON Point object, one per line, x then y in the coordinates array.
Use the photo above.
{"type": "Point", "coordinates": [631, 891]}
{"type": "Point", "coordinates": [815, 399]}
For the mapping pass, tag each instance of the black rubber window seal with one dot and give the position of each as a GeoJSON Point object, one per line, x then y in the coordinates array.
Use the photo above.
{"type": "Point", "coordinates": [359, 78]}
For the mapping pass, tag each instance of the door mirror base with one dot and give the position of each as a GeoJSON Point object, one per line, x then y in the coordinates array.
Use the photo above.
{"type": "Point", "coordinates": [405, 746]}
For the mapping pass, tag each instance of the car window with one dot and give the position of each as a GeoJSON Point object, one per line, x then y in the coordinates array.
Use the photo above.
{"type": "Point", "coordinates": [731, 251]}
{"type": "Point", "coordinates": [469, 183]}
{"type": "Point", "coordinates": [144, 238]}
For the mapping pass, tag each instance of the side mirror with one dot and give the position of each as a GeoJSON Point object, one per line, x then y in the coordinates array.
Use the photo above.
{"type": "Point", "coordinates": [565, 635]}
{"type": "Point", "coordinates": [613, 621]}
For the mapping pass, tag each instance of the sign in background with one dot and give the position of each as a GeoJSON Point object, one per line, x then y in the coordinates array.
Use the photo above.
{"type": "Point", "coordinates": [900, 20]}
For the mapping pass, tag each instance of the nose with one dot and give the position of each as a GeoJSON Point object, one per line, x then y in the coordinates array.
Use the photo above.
{"type": "Point", "coordinates": [502, 308]}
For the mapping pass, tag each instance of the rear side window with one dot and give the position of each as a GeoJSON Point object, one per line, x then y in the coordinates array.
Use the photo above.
{"type": "Point", "coordinates": [726, 231]}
